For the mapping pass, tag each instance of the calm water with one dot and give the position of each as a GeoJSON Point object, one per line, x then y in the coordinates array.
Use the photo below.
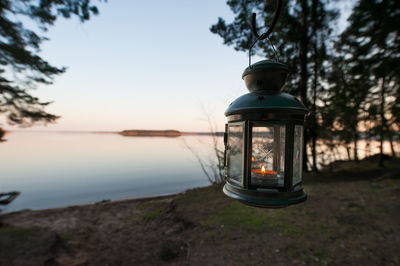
{"type": "Point", "coordinates": [59, 169]}
{"type": "Point", "coordinates": [328, 154]}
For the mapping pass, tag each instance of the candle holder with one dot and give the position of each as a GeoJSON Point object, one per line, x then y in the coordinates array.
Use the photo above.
{"type": "Point", "coordinates": [264, 140]}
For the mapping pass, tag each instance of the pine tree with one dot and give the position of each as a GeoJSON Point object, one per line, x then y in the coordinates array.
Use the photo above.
{"type": "Point", "coordinates": [343, 107]}
{"type": "Point", "coordinates": [21, 68]}
{"type": "Point", "coordinates": [301, 37]}
{"type": "Point", "coordinates": [371, 44]}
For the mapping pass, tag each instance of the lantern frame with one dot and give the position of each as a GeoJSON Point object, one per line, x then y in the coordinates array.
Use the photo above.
{"type": "Point", "coordinates": [265, 106]}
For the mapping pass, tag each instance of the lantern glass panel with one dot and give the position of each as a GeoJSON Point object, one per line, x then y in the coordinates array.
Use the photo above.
{"type": "Point", "coordinates": [235, 153]}
{"type": "Point", "coordinates": [268, 156]}
{"type": "Point", "coordinates": [297, 154]}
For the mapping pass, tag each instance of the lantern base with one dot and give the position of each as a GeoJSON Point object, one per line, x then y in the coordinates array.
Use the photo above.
{"type": "Point", "coordinates": [263, 198]}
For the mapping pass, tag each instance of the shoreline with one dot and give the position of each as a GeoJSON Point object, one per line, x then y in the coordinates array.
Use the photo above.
{"type": "Point", "coordinates": [123, 200]}
{"type": "Point", "coordinates": [202, 226]}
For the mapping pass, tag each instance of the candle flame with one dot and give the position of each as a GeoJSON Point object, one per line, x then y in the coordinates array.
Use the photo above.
{"type": "Point", "coordinates": [262, 169]}
{"type": "Point", "coordinates": [252, 158]}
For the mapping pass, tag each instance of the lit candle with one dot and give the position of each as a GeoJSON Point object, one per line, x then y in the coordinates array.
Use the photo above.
{"type": "Point", "coordinates": [263, 171]}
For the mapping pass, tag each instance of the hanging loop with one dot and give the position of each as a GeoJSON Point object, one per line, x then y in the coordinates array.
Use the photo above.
{"type": "Point", "coordinates": [268, 32]}
{"type": "Point", "coordinates": [271, 28]}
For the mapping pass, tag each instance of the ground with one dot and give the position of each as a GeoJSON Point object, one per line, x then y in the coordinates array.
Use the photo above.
{"type": "Point", "coordinates": [352, 216]}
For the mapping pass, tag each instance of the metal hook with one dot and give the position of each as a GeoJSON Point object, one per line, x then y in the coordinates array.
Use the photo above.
{"type": "Point", "coordinates": [268, 32]}
{"type": "Point", "coordinates": [271, 28]}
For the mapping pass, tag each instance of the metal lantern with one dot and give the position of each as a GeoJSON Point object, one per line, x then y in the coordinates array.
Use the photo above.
{"type": "Point", "coordinates": [264, 140]}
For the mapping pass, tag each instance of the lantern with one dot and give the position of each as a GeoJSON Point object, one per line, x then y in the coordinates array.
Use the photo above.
{"type": "Point", "coordinates": [264, 140]}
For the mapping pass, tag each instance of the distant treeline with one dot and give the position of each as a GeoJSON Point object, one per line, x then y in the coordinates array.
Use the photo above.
{"type": "Point", "coordinates": [151, 133]}
{"type": "Point", "coordinates": [164, 133]}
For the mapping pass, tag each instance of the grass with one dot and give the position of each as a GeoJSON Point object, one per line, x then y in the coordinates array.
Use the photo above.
{"type": "Point", "coordinates": [67, 235]}
{"type": "Point", "coordinates": [17, 233]}
{"type": "Point", "coordinates": [25, 246]}
{"type": "Point", "coordinates": [343, 208]}
{"type": "Point", "coordinates": [236, 216]}
{"type": "Point", "coordinates": [169, 250]}
{"type": "Point", "coordinates": [153, 214]}
{"type": "Point", "coordinates": [351, 217]}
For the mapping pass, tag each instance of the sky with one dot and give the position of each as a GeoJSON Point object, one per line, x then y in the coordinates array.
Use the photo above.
{"type": "Point", "coordinates": [143, 65]}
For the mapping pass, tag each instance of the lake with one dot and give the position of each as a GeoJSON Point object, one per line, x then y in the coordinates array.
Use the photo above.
{"type": "Point", "coordinates": [59, 169]}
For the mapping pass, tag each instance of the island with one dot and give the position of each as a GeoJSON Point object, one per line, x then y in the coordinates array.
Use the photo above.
{"type": "Point", "coordinates": [164, 133]}
{"type": "Point", "coordinates": [151, 133]}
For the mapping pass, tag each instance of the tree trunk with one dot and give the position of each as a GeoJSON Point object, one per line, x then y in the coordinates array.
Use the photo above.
{"type": "Point", "coordinates": [348, 152]}
{"type": "Point", "coordinates": [314, 153]}
{"type": "Point", "coordinates": [355, 141]}
{"type": "Point", "coordinates": [383, 123]}
{"type": "Point", "coordinates": [381, 158]}
{"type": "Point", "coordinates": [303, 72]}
{"type": "Point", "coordinates": [314, 124]}
{"type": "Point", "coordinates": [392, 147]}
{"type": "Point", "coordinates": [303, 52]}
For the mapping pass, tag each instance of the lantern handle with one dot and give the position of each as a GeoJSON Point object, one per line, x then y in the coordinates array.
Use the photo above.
{"type": "Point", "coordinates": [271, 28]}
{"type": "Point", "coordinates": [268, 32]}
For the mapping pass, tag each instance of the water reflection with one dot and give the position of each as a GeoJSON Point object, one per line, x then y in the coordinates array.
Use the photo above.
{"type": "Point", "coordinates": [58, 169]}
{"type": "Point", "coordinates": [336, 151]}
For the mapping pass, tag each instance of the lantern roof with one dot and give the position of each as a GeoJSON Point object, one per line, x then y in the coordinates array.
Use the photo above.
{"type": "Point", "coordinates": [265, 64]}
{"type": "Point", "coordinates": [265, 80]}
{"type": "Point", "coordinates": [266, 101]}
{"type": "Point", "coordinates": [265, 75]}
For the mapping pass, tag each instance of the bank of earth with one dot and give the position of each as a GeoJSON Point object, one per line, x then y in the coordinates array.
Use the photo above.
{"type": "Point", "coordinates": [352, 216]}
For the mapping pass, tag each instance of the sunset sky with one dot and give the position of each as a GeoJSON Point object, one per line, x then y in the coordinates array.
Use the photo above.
{"type": "Point", "coordinates": [143, 65]}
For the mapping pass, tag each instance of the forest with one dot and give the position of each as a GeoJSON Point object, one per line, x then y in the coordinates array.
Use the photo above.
{"type": "Point", "coordinates": [348, 77]}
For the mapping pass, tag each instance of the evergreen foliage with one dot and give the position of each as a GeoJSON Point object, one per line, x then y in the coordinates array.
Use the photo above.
{"type": "Point", "coordinates": [21, 67]}
{"type": "Point", "coordinates": [301, 36]}
{"type": "Point", "coordinates": [371, 45]}
{"type": "Point", "coordinates": [349, 82]}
